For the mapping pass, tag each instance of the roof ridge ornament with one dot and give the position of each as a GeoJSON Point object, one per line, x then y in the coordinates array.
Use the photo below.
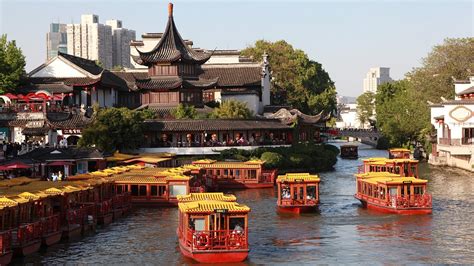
{"type": "Point", "coordinates": [170, 9]}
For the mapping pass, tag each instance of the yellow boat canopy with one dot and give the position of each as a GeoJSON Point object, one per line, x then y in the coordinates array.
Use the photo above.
{"type": "Point", "coordinates": [388, 178]}
{"type": "Point", "coordinates": [298, 177]}
{"type": "Point", "coordinates": [215, 196]}
{"type": "Point", "coordinates": [6, 202]}
{"type": "Point", "coordinates": [210, 206]}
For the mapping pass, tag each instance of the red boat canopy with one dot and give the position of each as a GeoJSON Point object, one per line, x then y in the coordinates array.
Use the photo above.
{"type": "Point", "coordinates": [15, 165]}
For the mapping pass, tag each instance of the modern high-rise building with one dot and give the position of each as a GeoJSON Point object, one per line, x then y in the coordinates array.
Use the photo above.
{"type": "Point", "coordinates": [56, 40]}
{"type": "Point", "coordinates": [121, 39]}
{"type": "Point", "coordinates": [90, 40]}
{"type": "Point", "coordinates": [375, 77]}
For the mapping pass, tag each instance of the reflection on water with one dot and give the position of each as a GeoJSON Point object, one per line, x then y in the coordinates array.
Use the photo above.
{"type": "Point", "coordinates": [341, 233]}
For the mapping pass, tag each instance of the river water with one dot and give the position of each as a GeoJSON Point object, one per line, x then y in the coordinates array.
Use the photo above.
{"type": "Point", "coordinates": [341, 233]}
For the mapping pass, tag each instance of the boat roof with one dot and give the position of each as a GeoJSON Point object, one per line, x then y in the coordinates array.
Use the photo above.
{"type": "Point", "coordinates": [209, 206]}
{"type": "Point", "coordinates": [207, 163]}
{"type": "Point", "coordinates": [399, 150]}
{"type": "Point", "coordinates": [216, 196]}
{"type": "Point", "coordinates": [388, 178]}
{"type": "Point", "coordinates": [298, 177]}
{"type": "Point", "coordinates": [6, 202]}
{"type": "Point", "coordinates": [382, 160]}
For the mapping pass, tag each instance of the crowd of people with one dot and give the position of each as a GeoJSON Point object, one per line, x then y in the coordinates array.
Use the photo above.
{"type": "Point", "coordinates": [212, 140]}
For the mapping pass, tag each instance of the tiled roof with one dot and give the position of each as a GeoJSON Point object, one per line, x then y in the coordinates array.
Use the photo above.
{"type": "Point", "coordinates": [169, 83]}
{"type": "Point", "coordinates": [35, 131]}
{"type": "Point", "coordinates": [70, 121]}
{"type": "Point", "coordinates": [55, 87]}
{"type": "Point", "coordinates": [64, 154]}
{"type": "Point", "coordinates": [213, 125]}
{"type": "Point", "coordinates": [233, 75]}
{"type": "Point", "coordinates": [85, 81]}
{"type": "Point", "coordinates": [171, 48]}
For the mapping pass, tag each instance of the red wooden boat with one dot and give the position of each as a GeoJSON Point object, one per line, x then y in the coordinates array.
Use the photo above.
{"type": "Point", "coordinates": [213, 231]}
{"type": "Point", "coordinates": [298, 192]}
{"type": "Point", "coordinates": [402, 167]}
{"type": "Point", "coordinates": [26, 235]}
{"type": "Point", "coordinates": [391, 193]}
{"type": "Point", "coordinates": [236, 175]}
{"type": "Point", "coordinates": [7, 222]}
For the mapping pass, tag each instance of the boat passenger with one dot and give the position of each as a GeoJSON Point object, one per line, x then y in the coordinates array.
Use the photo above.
{"type": "Point", "coordinates": [238, 229]}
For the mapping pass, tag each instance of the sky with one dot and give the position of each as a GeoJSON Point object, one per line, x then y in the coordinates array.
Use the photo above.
{"type": "Point", "coordinates": [346, 37]}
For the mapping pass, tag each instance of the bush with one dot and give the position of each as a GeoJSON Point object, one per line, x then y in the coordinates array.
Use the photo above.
{"type": "Point", "coordinates": [272, 159]}
{"type": "Point", "coordinates": [383, 143]}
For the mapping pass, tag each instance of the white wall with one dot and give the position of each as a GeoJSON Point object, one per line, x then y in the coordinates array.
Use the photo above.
{"type": "Point", "coordinates": [59, 69]}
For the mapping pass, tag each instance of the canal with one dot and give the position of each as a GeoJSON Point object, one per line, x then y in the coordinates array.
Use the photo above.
{"type": "Point", "coordinates": [341, 233]}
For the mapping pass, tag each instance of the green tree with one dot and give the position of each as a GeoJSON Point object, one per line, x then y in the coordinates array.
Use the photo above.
{"type": "Point", "coordinates": [232, 109]}
{"type": "Point", "coordinates": [434, 78]}
{"type": "Point", "coordinates": [12, 65]}
{"type": "Point", "coordinates": [365, 107]}
{"type": "Point", "coordinates": [115, 129]}
{"type": "Point", "coordinates": [399, 116]}
{"type": "Point", "coordinates": [184, 112]}
{"type": "Point", "coordinates": [297, 80]}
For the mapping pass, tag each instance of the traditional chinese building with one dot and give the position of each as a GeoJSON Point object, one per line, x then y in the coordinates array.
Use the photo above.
{"type": "Point", "coordinates": [454, 124]}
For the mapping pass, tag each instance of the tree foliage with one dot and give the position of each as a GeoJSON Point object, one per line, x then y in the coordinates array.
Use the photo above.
{"type": "Point", "coordinates": [400, 118]}
{"type": "Point", "coordinates": [403, 115]}
{"type": "Point", "coordinates": [115, 129]}
{"type": "Point", "coordinates": [184, 112]}
{"type": "Point", "coordinates": [297, 80]}
{"type": "Point", "coordinates": [232, 109]}
{"type": "Point", "coordinates": [365, 107]}
{"type": "Point", "coordinates": [12, 65]}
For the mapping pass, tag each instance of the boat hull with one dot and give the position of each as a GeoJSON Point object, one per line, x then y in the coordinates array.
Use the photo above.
{"type": "Point", "coordinates": [28, 249]}
{"type": "Point", "coordinates": [72, 232]}
{"type": "Point", "coordinates": [6, 258]}
{"type": "Point", "coordinates": [297, 209]}
{"type": "Point", "coordinates": [215, 256]}
{"type": "Point", "coordinates": [105, 219]}
{"type": "Point", "coordinates": [388, 209]}
{"type": "Point", "coordinates": [52, 238]}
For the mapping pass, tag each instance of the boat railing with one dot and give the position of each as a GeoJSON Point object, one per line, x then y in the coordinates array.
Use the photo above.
{"type": "Point", "coordinates": [412, 201]}
{"type": "Point", "coordinates": [5, 242]}
{"type": "Point", "coordinates": [298, 202]}
{"type": "Point", "coordinates": [50, 224]}
{"type": "Point", "coordinates": [26, 233]}
{"type": "Point", "coordinates": [75, 216]}
{"type": "Point", "coordinates": [217, 239]}
{"type": "Point", "coordinates": [104, 207]}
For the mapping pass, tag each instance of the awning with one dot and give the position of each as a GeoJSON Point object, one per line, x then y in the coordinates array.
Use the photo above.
{"type": "Point", "coordinates": [15, 165]}
{"type": "Point", "coordinates": [59, 163]}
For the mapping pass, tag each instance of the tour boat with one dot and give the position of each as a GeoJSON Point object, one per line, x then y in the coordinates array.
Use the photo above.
{"type": "Point", "coordinates": [399, 153]}
{"type": "Point", "coordinates": [214, 230]}
{"type": "Point", "coordinates": [7, 216]}
{"type": "Point", "coordinates": [349, 152]}
{"type": "Point", "coordinates": [391, 193]}
{"type": "Point", "coordinates": [402, 167]}
{"type": "Point", "coordinates": [235, 175]}
{"type": "Point", "coordinates": [298, 192]}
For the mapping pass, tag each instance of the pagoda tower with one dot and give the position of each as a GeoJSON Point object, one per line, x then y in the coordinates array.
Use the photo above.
{"type": "Point", "coordinates": [173, 71]}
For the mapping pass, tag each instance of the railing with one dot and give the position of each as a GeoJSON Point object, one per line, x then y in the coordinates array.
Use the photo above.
{"type": "Point", "coordinates": [75, 216]}
{"type": "Point", "coordinates": [121, 200]}
{"type": "Point", "coordinates": [415, 201]}
{"type": "Point", "coordinates": [217, 239]}
{"type": "Point", "coordinates": [26, 233]}
{"type": "Point", "coordinates": [181, 144]}
{"type": "Point", "coordinates": [104, 207]}
{"type": "Point", "coordinates": [467, 141]}
{"type": "Point", "coordinates": [50, 224]}
{"type": "Point", "coordinates": [298, 202]}
{"type": "Point", "coordinates": [5, 242]}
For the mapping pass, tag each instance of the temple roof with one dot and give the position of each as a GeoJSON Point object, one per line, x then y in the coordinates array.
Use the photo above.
{"type": "Point", "coordinates": [171, 48]}
{"type": "Point", "coordinates": [169, 83]}
{"type": "Point", "coordinates": [187, 125]}
{"type": "Point", "coordinates": [233, 75]}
